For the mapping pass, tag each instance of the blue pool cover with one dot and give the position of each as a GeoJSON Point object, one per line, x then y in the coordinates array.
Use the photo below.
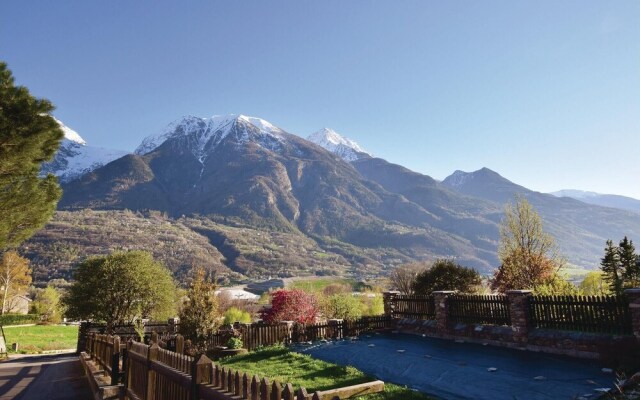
{"type": "Point", "coordinates": [450, 370]}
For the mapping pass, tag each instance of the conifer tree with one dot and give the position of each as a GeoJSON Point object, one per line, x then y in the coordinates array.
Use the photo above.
{"type": "Point", "coordinates": [28, 137]}
{"type": "Point", "coordinates": [612, 269]}
{"type": "Point", "coordinates": [200, 314]}
{"type": "Point", "coordinates": [629, 263]}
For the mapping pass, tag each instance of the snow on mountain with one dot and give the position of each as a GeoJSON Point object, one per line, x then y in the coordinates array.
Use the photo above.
{"type": "Point", "coordinates": [332, 141]}
{"type": "Point", "coordinates": [74, 158]}
{"type": "Point", "coordinates": [576, 194]}
{"type": "Point", "coordinates": [206, 133]}
{"type": "Point", "coordinates": [70, 134]}
{"type": "Point", "coordinates": [459, 178]}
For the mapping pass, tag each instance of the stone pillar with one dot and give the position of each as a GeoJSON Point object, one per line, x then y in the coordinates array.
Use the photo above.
{"type": "Point", "coordinates": [520, 318]}
{"type": "Point", "coordinates": [389, 302]}
{"type": "Point", "coordinates": [442, 310]}
{"type": "Point", "coordinates": [634, 307]}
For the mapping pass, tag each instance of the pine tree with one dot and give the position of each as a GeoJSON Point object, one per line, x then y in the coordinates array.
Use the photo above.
{"type": "Point", "coordinates": [28, 137]}
{"type": "Point", "coordinates": [629, 262]}
{"type": "Point", "coordinates": [612, 269]}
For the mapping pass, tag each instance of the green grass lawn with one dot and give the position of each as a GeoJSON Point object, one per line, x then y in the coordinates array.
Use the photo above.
{"type": "Point", "coordinates": [278, 363]}
{"type": "Point", "coordinates": [39, 338]}
{"type": "Point", "coordinates": [317, 284]}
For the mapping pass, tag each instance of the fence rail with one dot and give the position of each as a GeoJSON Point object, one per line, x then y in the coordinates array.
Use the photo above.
{"type": "Point", "coordinates": [479, 309]}
{"type": "Point", "coordinates": [599, 314]}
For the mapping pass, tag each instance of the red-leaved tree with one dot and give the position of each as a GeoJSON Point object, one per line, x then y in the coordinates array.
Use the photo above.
{"type": "Point", "coordinates": [291, 305]}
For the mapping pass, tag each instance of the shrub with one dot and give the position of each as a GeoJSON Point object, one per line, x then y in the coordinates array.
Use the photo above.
{"type": "Point", "coordinates": [235, 314]}
{"type": "Point", "coordinates": [342, 306]}
{"type": "Point", "coordinates": [291, 305]}
{"type": "Point", "coordinates": [234, 343]}
{"type": "Point", "coordinates": [19, 319]}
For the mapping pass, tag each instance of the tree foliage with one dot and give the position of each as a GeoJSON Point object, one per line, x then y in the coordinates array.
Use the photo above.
{"type": "Point", "coordinates": [629, 263]}
{"type": "Point", "coordinates": [342, 306]}
{"type": "Point", "coordinates": [594, 284]}
{"type": "Point", "coordinates": [291, 305]}
{"type": "Point", "coordinates": [447, 275]}
{"type": "Point", "coordinates": [234, 314]}
{"type": "Point", "coordinates": [529, 257]}
{"type": "Point", "coordinates": [200, 315]}
{"type": "Point", "coordinates": [15, 278]}
{"type": "Point", "coordinates": [403, 277]}
{"type": "Point", "coordinates": [120, 288]}
{"type": "Point", "coordinates": [29, 136]}
{"type": "Point", "coordinates": [620, 266]}
{"type": "Point", "coordinates": [47, 304]}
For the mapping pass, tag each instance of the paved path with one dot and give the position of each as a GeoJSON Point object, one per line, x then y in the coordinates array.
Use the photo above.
{"type": "Point", "coordinates": [50, 377]}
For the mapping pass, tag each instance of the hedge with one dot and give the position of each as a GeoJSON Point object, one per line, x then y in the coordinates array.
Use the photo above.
{"type": "Point", "coordinates": [19, 319]}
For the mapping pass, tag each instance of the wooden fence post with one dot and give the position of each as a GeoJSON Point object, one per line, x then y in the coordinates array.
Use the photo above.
{"type": "Point", "coordinates": [128, 369]}
{"type": "Point", "coordinates": [302, 394]}
{"type": "Point", "coordinates": [442, 310]}
{"type": "Point", "coordinates": [180, 344]}
{"type": "Point", "coordinates": [152, 355]}
{"type": "Point", "coordinates": [115, 361]}
{"type": "Point", "coordinates": [520, 315]}
{"type": "Point", "coordinates": [154, 337]}
{"type": "Point", "coordinates": [200, 374]}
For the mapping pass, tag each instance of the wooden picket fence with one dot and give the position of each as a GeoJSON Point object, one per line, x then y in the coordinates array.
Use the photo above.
{"type": "Point", "coordinates": [479, 309]}
{"type": "Point", "coordinates": [414, 307]}
{"type": "Point", "coordinates": [259, 335]}
{"type": "Point", "coordinates": [599, 314]}
{"type": "Point", "coordinates": [156, 373]}
{"type": "Point", "coordinates": [105, 350]}
{"type": "Point", "coordinates": [255, 336]}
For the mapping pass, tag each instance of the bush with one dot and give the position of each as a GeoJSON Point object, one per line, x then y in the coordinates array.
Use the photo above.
{"type": "Point", "coordinates": [235, 314]}
{"type": "Point", "coordinates": [234, 343]}
{"type": "Point", "coordinates": [291, 305]}
{"type": "Point", "coordinates": [342, 306]}
{"type": "Point", "coordinates": [19, 319]}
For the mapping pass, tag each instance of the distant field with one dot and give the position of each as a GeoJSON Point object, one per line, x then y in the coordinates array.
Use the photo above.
{"type": "Point", "coordinates": [39, 338]}
{"type": "Point", "coordinates": [278, 363]}
{"type": "Point", "coordinates": [317, 284]}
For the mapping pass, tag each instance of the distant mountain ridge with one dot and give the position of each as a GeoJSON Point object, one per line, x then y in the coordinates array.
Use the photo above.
{"type": "Point", "coordinates": [605, 200]}
{"type": "Point", "coordinates": [580, 229]}
{"type": "Point", "coordinates": [368, 212]}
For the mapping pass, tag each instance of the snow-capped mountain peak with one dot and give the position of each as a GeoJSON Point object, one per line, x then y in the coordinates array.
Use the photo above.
{"type": "Point", "coordinates": [75, 158]}
{"type": "Point", "coordinates": [209, 132]}
{"type": "Point", "coordinates": [70, 134]}
{"type": "Point", "coordinates": [332, 141]}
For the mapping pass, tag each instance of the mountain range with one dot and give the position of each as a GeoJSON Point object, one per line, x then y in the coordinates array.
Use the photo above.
{"type": "Point", "coordinates": [363, 212]}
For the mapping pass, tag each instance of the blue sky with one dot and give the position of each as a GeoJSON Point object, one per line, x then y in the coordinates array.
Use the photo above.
{"type": "Point", "coordinates": [546, 93]}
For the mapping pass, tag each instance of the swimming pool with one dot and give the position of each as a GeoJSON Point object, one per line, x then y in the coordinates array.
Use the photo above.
{"type": "Point", "coordinates": [450, 370]}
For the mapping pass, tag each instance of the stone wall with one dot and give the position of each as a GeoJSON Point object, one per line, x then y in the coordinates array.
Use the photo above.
{"type": "Point", "coordinates": [522, 334]}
